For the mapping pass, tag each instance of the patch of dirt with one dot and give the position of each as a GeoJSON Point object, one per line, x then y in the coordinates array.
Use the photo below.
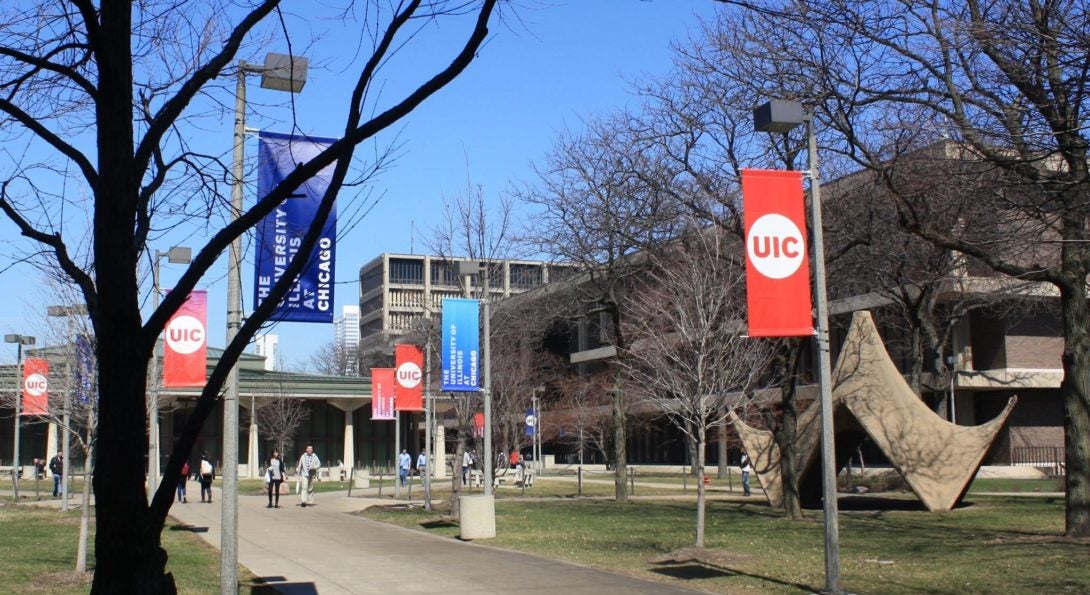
{"type": "Point", "coordinates": [53, 580]}
{"type": "Point", "coordinates": [711, 557]}
{"type": "Point", "coordinates": [1042, 538]}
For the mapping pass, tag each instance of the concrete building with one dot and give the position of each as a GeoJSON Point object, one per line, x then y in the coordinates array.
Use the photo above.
{"type": "Point", "coordinates": [399, 290]}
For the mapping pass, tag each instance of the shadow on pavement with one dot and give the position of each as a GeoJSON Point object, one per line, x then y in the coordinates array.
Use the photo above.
{"type": "Point", "coordinates": [285, 588]}
{"type": "Point", "coordinates": [190, 528]}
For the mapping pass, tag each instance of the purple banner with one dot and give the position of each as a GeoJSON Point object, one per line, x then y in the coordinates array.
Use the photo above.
{"type": "Point", "coordinates": [281, 233]}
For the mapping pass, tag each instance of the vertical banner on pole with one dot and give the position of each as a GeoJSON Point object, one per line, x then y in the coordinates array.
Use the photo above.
{"type": "Point", "coordinates": [461, 345]}
{"type": "Point", "coordinates": [777, 265]}
{"type": "Point", "coordinates": [85, 369]}
{"type": "Point", "coordinates": [185, 346]}
{"type": "Point", "coordinates": [478, 425]}
{"type": "Point", "coordinates": [281, 233]}
{"type": "Point", "coordinates": [382, 394]}
{"type": "Point", "coordinates": [409, 389]}
{"type": "Point", "coordinates": [35, 387]}
{"type": "Point", "coordinates": [531, 422]}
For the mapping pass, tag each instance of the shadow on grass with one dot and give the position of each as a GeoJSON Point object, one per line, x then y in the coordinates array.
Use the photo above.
{"type": "Point", "coordinates": [190, 528]}
{"type": "Point", "coordinates": [700, 570]}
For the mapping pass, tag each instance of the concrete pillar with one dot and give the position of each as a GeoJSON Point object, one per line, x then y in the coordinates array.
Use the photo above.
{"type": "Point", "coordinates": [51, 442]}
{"type": "Point", "coordinates": [349, 443]}
{"type": "Point", "coordinates": [440, 457]}
{"type": "Point", "coordinates": [253, 462]}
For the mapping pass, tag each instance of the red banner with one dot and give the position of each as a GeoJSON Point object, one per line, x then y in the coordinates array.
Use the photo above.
{"type": "Point", "coordinates": [35, 387]}
{"type": "Point", "coordinates": [478, 425]}
{"type": "Point", "coordinates": [382, 394]}
{"type": "Point", "coordinates": [185, 344]}
{"type": "Point", "coordinates": [410, 378]}
{"type": "Point", "coordinates": [777, 266]}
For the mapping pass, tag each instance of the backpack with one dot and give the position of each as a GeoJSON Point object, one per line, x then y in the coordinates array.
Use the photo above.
{"type": "Point", "coordinates": [206, 468]}
{"type": "Point", "coordinates": [185, 469]}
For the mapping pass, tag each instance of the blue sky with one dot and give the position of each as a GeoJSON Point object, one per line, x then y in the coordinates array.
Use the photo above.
{"type": "Point", "coordinates": [562, 61]}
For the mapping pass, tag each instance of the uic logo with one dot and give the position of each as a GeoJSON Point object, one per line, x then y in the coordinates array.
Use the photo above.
{"type": "Point", "coordinates": [775, 246]}
{"type": "Point", "coordinates": [36, 385]}
{"type": "Point", "coordinates": [185, 334]}
{"type": "Point", "coordinates": [408, 375]}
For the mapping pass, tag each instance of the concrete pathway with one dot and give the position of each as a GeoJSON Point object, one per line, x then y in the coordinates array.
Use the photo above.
{"type": "Point", "coordinates": [324, 549]}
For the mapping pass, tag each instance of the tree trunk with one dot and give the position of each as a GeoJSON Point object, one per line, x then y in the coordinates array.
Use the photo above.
{"type": "Point", "coordinates": [721, 444]}
{"type": "Point", "coordinates": [620, 464]}
{"type": "Point", "coordinates": [700, 489]}
{"type": "Point", "coordinates": [1076, 391]}
{"type": "Point", "coordinates": [788, 434]}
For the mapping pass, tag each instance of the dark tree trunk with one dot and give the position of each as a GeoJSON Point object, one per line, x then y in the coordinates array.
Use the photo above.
{"type": "Point", "coordinates": [1076, 391]}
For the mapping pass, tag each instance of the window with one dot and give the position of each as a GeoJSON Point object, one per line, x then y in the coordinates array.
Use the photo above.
{"type": "Point", "coordinates": [406, 272]}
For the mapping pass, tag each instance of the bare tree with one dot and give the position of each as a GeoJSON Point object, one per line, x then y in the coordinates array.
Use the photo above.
{"type": "Point", "coordinates": [688, 349]}
{"type": "Point", "coordinates": [280, 417]}
{"type": "Point", "coordinates": [112, 90]}
{"type": "Point", "coordinates": [998, 91]}
{"type": "Point", "coordinates": [332, 359]}
{"type": "Point", "coordinates": [594, 210]}
{"type": "Point", "coordinates": [474, 230]}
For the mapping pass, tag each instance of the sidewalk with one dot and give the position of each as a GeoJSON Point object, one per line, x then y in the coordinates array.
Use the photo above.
{"type": "Point", "coordinates": [324, 549]}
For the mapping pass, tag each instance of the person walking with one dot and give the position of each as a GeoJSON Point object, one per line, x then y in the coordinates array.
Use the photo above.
{"type": "Point", "coordinates": [747, 468]}
{"type": "Point", "coordinates": [56, 467]}
{"type": "Point", "coordinates": [307, 469]}
{"type": "Point", "coordinates": [421, 464]}
{"type": "Point", "coordinates": [206, 476]}
{"type": "Point", "coordinates": [275, 472]}
{"type": "Point", "coordinates": [182, 480]}
{"type": "Point", "coordinates": [467, 460]}
{"type": "Point", "coordinates": [404, 461]}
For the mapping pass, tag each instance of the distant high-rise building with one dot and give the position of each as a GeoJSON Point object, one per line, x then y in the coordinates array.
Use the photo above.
{"type": "Point", "coordinates": [346, 329]}
{"type": "Point", "coordinates": [267, 345]}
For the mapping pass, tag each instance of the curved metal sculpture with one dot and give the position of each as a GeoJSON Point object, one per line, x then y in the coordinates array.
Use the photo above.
{"type": "Point", "coordinates": [936, 458]}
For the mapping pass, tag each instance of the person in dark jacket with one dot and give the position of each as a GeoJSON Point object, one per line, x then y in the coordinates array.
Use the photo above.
{"type": "Point", "coordinates": [275, 474]}
{"type": "Point", "coordinates": [205, 475]}
{"type": "Point", "coordinates": [56, 467]}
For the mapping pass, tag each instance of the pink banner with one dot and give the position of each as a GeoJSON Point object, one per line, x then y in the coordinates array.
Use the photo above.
{"type": "Point", "coordinates": [382, 394]}
{"type": "Point", "coordinates": [35, 387]}
{"type": "Point", "coordinates": [185, 343]}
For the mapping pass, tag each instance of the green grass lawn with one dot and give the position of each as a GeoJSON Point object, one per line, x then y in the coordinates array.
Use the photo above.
{"type": "Point", "coordinates": [990, 545]}
{"type": "Point", "coordinates": [1015, 485]}
{"type": "Point", "coordinates": [38, 554]}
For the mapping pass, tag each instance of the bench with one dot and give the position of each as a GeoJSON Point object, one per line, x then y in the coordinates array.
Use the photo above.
{"type": "Point", "coordinates": [476, 479]}
{"type": "Point", "coordinates": [515, 478]}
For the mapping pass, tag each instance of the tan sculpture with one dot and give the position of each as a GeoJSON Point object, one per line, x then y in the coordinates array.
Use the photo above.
{"type": "Point", "coordinates": [937, 459]}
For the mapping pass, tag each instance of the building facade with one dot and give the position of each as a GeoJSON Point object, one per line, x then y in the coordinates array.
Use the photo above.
{"type": "Point", "coordinates": [397, 291]}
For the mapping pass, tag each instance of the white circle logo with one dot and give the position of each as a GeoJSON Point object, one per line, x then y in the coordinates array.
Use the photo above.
{"type": "Point", "coordinates": [531, 420]}
{"type": "Point", "coordinates": [36, 385]}
{"type": "Point", "coordinates": [408, 375]}
{"type": "Point", "coordinates": [775, 246]}
{"type": "Point", "coordinates": [185, 334]}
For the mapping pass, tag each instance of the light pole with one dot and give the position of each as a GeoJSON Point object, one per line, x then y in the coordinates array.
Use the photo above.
{"type": "Point", "coordinates": [536, 405]}
{"type": "Point", "coordinates": [782, 116]}
{"type": "Point", "coordinates": [19, 340]}
{"type": "Point", "coordinates": [67, 312]}
{"type": "Point", "coordinates": [176, 255]}
{"type": "Point", "coordinates": [280, 72]}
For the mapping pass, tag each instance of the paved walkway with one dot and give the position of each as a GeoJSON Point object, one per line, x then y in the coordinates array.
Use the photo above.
{"type": "Point", "coordinates": [324, 549]}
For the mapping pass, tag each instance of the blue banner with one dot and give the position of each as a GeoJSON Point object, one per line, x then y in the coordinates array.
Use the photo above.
{"type": "Point", "coordinates": [281, 233]}
{"type": "Point", "coordinates": [85, 369]}
{"type": "Point", "coordinates": [461, 345]}
{"type": "Point", "coordinates": [531, 422]}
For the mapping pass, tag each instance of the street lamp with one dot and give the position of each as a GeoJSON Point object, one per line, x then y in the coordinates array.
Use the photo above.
{"type": "Point", "coordinates": [67, 312]}
{"type": "Point", "coordinates": [19, 340]}
{"type": "Point", "coordinates": [783, 116]}
{"type": "Point", "coordinates": [281, 72]}
{"type": "Point", "coordinates": [176, 255]}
